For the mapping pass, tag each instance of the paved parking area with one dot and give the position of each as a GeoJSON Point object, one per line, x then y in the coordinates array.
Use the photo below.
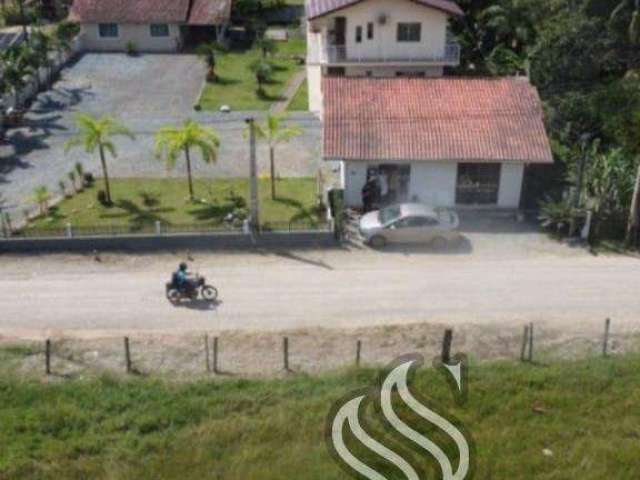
{"type": "Point", "coordinates": [145, 93]}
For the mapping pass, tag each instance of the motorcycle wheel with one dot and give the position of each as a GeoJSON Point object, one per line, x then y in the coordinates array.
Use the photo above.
{"type": "Point", "coordinates": [209, 293]}
{"type": "Point", "coordinates": [173, 296]}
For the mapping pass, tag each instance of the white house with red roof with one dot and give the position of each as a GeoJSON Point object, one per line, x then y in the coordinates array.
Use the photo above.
{"type": "Point", "coordinates": [375, 72]}
{"type": "Point", "coordinates": [148, 25]}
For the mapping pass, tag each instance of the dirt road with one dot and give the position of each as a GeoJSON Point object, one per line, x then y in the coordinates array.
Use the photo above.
{"type": "Point", "coordinates": [562, 287]}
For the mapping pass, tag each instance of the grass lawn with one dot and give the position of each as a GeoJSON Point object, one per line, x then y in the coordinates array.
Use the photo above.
{"type": "Point", "coordinates": [300, 101]}
{"type": "Point", "coordinates": [140, 202]}
{"type": "Point", "coordinates": [584, 412]}
{"type": "Point", "coordinates": [237, 86]}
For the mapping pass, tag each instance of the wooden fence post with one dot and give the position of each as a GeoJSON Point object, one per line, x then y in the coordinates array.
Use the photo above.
{"type": "Point", "coordinates": [215, 355]}
{"type": "Point", "coordinates": [47, 356]}
{"type": "Point", "coordinates": [127, 354]}
{"type": "Point", "coordinates": [605, 342]}
{"type": "Point", "coordinates": [446, 346]}
{"type": "Point", "coordinates": [525, 338]}
{"type": "Point", "coordinates": [531, 342]}
{"type": "Point", "coordinates": [358, 351]}
{"type": "Point", "coordinates": [285, 351]}
{"type": "Point", "coordinates": [206, 352]}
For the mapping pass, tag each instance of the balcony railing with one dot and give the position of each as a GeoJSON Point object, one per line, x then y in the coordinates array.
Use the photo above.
{"type": "Point", "coordinates": [341, 55]}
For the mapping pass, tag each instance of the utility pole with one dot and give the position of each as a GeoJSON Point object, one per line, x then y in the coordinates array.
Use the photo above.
{"type": "Point", "coordinates": [633, 224]}
{"type": "Point", "coordinates": [253, 172]}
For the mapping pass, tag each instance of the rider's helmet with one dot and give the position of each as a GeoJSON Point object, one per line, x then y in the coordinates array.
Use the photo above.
{"type": "Point", "coordinates": [183, 266]}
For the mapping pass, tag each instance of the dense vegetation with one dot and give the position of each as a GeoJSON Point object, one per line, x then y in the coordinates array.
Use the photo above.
{"type": "Point", "coordinates": [571, 420]}
{"type": "Point", "coordinates": [584, 57]}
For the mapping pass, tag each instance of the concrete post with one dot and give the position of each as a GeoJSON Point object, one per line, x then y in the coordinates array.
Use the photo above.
{"type": "Point", "coordinates": [69, 231]}
{"type": "Point", "coordinates": [158, 228]}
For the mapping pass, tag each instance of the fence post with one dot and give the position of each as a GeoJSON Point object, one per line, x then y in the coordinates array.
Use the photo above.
{"type": "Point", "coordinates": [531, 342]}
{"type": "Point", "coordinates": [215, 355]}
{"type": "Point", "coordinates": [446, 346]}
{"type": "Point", "coordinates": [127, 354]}
{"type": "Point", "coordinates": [358, 351]}
{"type": "Point", "coordinates": [285, 351]}
{"type": "Point", "coordinates": [158, 227]}
{"type": "Point", "coordinates": [525, 338]}
{"type": "Point", "coordinates": [206, 352]}
{"type": "Point", "coordinates": [5, 230]}
{"type": "Point", "coordinates": [605, 343]}
{"type": "Point", "coordinates": [47, 357]}
{"type": "Point", "coordinates": [69, 231]}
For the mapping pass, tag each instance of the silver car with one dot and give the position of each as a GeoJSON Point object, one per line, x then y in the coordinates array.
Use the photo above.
{"type": "Point", "coordinates": [409, 223]}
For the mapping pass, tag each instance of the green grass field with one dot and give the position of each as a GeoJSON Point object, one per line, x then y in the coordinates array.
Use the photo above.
{"type": "Point", "coordinates": [237, 86]}
{"type": "Point", "coordinates": [300, 102]}
{"type": "Point", "coordinates": [584, 412]}
{"type": "Point", "coordinates": [138, 203]}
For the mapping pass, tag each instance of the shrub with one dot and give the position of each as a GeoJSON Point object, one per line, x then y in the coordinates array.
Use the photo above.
{"type": "Point", "coordinates": [132, 49]}
{"type": "Point", "coordinates": [102, 198]}
{"type": "Point", "coordinates": [88, 179]}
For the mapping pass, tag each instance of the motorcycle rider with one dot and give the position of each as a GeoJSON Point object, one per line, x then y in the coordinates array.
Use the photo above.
{"type": "Point", "coordinates": [183, 279]}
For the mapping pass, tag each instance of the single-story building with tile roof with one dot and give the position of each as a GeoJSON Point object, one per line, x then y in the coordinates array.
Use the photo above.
{"type": "Point", "coordinates": [149, 25]}
{"type": "Point", "coordinates": [446, 142]}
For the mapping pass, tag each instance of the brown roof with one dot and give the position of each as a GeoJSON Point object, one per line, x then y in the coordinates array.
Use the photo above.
{"type": "Point", "coordinates": [151, 11]}
{"type": "Point", "coordinates": [319, 8]}
{"type": "Point", "coordinates": [440, 119]}
{"type": "Point", "coordinates": [209, 12]}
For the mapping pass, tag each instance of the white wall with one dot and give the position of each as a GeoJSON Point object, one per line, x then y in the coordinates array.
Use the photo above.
{"type": "Point", "coordinates": [511, 176]}
{"type": "Point", "coordinates": [384, 43]}
{"type": "Point", "coordinates": [434, 183]}
{"type": "Point", "coordinates": [140, 35]}
{"type": "Point", "coordinates": [314, 81]}
{"type": "Point", "coordinates": [390, 71]}
{"type": "Point", "coordinates": [355, 176]}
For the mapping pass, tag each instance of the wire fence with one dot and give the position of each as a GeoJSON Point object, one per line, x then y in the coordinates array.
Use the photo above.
{"type": "Point", "coordinates": [160, 228]}
{"type": "Point", "coordinates": [314, 351]}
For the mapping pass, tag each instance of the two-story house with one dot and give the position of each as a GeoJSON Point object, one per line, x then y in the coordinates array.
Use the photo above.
{"type": "Point", "coordinates": [376, 76]}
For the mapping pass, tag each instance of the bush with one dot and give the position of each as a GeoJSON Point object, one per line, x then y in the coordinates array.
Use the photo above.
{"type": "Point", "coordinates": [132, 49]}
{"type": "Point", "coordinates": [88, 179]}
{"type": "Point", "coordinates": [13, 16]}
{"type": "Point", "coordinates": [102, 198]}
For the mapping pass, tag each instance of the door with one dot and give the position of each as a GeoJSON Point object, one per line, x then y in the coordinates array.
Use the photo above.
{"type": "Point", "coordinates": [478, 184]}
{"type": "Point", "coordinates": [340, 37]}
{"type": "Point", "coordinates": [395, 180]}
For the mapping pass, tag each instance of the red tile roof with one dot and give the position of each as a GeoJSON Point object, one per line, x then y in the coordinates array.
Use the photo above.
{"type": "Point", "coordinates": [319, 8]}
{"type": "Point", "coordinates": [440, 119]}
{"type": "Point", "coordinates": [209, 12]}
{"type": "Point", "coordinates": [151, 11]}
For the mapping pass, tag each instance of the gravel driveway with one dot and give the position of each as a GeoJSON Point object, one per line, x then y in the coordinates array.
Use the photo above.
{"type": "Point", "coordinates": [144, 92]}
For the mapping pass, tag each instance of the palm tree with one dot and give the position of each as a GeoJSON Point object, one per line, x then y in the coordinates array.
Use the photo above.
{"type": "Point", "coordinates": [96, 134]}
{"type": "Point", "coordinates": [42, 45]}
{"type": "Point", "coordinates": [512, 23]}
{"type": "Point", "coordinates": [262, 71]}
{"type": "Point", "coordinates": [274, 132]}
{"type": "Point", "coordinates": [209, 53]}
{"type": "Point", "coordinates": [634, 24]}
{"type": "Point", "coordinates": [16, 63]}
{"type": "Point", "coordinates": [267, 46]}
{"type": "Point", "coordinates": [173, 141]}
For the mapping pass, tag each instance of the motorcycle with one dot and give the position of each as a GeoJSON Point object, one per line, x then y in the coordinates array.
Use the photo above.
{"type": "Point", "coordinates": [199, 287]}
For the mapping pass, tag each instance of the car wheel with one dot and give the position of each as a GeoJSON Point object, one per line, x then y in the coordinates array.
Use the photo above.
{"type": "Point", "coordinates": [378, 241]}
{"type": "Point", "coordinates": [439, 243]}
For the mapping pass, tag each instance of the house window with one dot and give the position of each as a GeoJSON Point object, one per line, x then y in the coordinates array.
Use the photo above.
{"type": "Point", "coordinates": [358, 34]}
{"type": "Point", "coordinates": [478, 184]}
{"type": "Point", "coordinates": [159, 30]}
{"type": "Point", "coordinates": [370, 31]}
{"type": "Point", "coordinates": [409, 32]}
{"type": "Point", "coordinates": [108, 30]}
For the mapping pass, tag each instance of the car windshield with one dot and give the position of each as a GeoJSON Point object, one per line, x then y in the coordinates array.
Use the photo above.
{"type": "Point", "coordinates": [389, 214]}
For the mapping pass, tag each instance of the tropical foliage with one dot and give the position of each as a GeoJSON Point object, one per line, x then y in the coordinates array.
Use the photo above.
{"type": "Point", "coordinates": [171, 142]}
{"type": "Point", "coordinates": [274, 131]}
{"type": "Point", "coordinates": [97, 134]}
{"type": "Point", "coordinates": [584, 58]}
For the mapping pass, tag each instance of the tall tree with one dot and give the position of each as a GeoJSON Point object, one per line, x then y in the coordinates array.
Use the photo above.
{"type": "Point", "coordinates": [17, 63]}
{"type": "Point", "coordinates": [632, 6]}
{"type": "Point", "coordinates": [274, 131]}
{"type": "Point", "coordinates": [97, 134]}
{"type": "Point", "coordinates": [171, 142]}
